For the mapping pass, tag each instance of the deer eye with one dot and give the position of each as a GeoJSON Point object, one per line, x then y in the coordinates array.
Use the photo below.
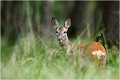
{"type": "Point", "coordinates": [65, 32]}
{"type": "Point", "coordinates": [56, 31]}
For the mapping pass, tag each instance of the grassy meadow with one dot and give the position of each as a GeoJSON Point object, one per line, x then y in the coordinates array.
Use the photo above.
{"type": "Point", "coordinates": [34, 58]}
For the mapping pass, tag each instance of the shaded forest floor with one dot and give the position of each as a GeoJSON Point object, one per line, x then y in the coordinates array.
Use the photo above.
{"type": "Point", "coordinates": [34, 58]}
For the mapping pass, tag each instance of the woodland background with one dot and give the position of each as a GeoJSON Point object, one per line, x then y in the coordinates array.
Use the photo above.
{"type": "Point", "coordinates": [30, 50]}
{"type": "Point", "coordinates": [99, 16]}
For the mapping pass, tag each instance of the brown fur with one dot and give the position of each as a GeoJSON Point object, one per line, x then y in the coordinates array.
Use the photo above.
{"type": "Point", "coordinates": [94, 49]}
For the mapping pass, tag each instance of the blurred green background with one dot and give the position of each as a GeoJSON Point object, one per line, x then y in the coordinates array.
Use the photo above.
{"type": "Point", "coordinates": [99, 17]}
{"type": "Point", "coordinates": [29, 48]}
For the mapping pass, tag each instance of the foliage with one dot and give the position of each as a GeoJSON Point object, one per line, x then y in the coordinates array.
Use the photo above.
{"type": "Point", "coordinates": [34, 58]}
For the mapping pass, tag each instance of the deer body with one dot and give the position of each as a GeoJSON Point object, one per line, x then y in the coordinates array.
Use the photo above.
{"type": "Point", "coordinates": [94, 49]}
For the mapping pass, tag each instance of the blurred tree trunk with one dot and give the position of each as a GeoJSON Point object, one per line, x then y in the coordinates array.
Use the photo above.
{"type": "Point", "coordinates": [12, 19]}
{"type": "Point", "coordinates": [83, 16]}
{"type": "Point", "coordinates": [45, 19]}
{"type": "Point", "coordinates": [5, 15]}
{"type": "Point", "coordinates": [77, 18]}
{"type": "Point", "coordinates": [111, 22]}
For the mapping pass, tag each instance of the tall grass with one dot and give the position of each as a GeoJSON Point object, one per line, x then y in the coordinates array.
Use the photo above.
{"type": "Point", "coordinates": [35, 58]}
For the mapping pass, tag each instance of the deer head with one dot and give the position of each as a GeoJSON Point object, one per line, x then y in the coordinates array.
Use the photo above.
{"type": "Point", "coordinates": [61, 31]}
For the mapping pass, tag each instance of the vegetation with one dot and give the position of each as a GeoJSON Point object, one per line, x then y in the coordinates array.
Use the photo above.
{"type": "Point", "coordinates": [29, 49]}
{"type": "Point", "coordinates": [35, 58]}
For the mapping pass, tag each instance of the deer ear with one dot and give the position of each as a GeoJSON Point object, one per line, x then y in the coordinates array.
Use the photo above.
{"type": "Point", "coordinates": [54, 22]}
{"type": "Point", "coordinates": [67, 23]}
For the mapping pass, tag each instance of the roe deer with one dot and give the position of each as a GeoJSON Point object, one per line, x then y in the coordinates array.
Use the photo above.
{"type": "Point", "coordinates": [95, 50]}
